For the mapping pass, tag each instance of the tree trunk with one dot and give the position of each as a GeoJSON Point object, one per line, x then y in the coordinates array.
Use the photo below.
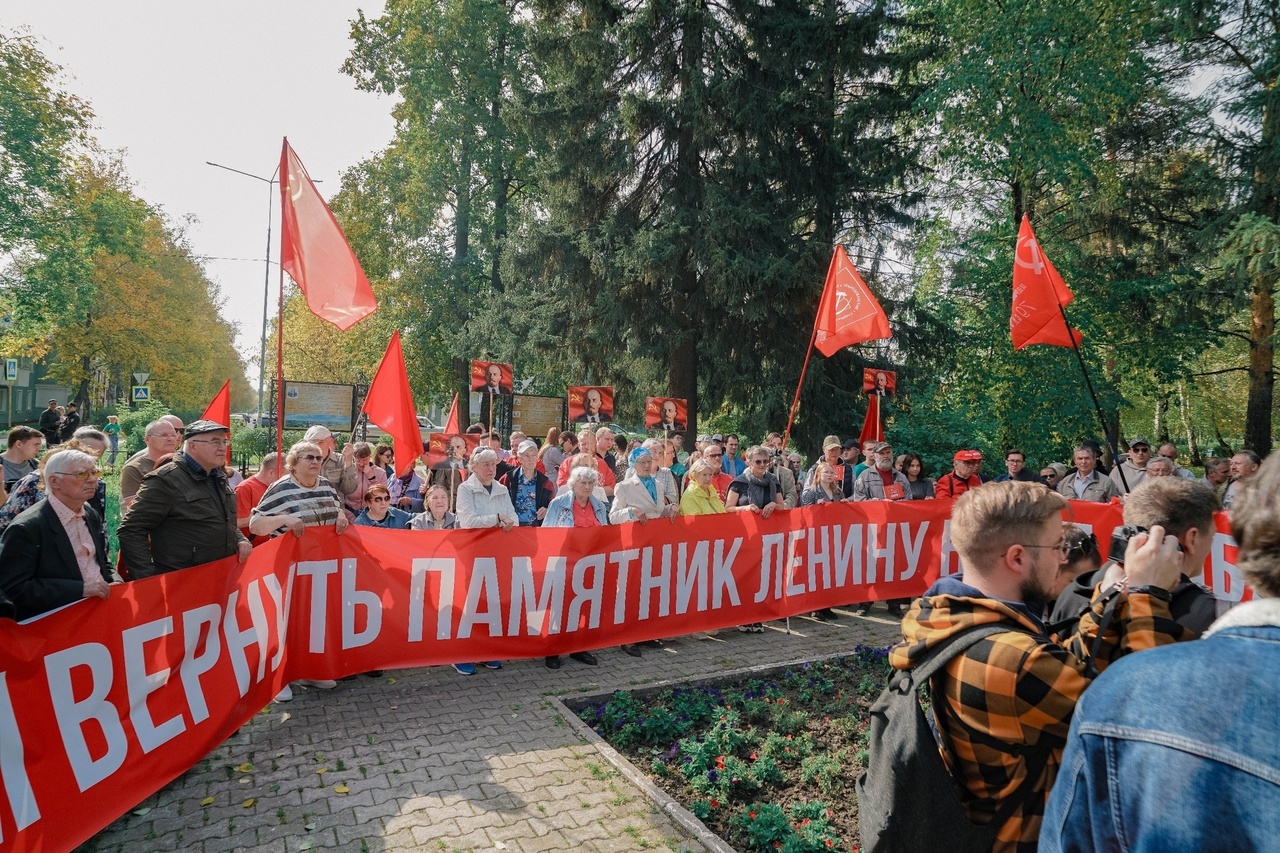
{"type": "Point", "coordinates": [1262, 303]}
{"type": "Point", "coordinates": [1184, 406]}
{"type": "Point", "coordinates": [1160, 426]}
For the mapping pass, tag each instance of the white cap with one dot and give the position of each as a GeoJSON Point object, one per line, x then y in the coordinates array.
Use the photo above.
{"type": "Point", "coordinates": [317, 433]}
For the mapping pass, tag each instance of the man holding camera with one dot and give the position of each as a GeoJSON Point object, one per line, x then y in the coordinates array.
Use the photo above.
{"type": "Point", "coordinates": [1004, 704]}
{"type": "Point", "coordinates": [1177, 749]}
{"type": "Point", "coordinates": [1185, 510]}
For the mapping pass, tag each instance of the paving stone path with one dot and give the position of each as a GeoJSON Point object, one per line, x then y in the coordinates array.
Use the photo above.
{"type": "Point", "coordinates": [435, 761]}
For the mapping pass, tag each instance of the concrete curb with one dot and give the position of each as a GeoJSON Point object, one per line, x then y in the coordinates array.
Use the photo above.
{"type": "Point", "coordinates": [638, 778]}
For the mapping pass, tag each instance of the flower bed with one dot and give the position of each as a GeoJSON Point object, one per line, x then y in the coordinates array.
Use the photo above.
{"type": "Point", "coordinates": [767, 762]}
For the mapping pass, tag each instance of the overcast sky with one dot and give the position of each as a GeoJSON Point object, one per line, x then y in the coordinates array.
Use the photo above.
{"type": "Point", "coordinates": [174, 84]}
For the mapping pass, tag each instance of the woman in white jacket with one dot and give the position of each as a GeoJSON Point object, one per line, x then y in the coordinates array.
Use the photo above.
{"type": "Point", "coordinates": [640, 497]}
{"type": "Point", "coordinates": [484, 502]}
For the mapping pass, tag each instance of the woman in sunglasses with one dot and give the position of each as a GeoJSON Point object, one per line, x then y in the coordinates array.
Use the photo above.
{"type": "Point", "coordinates": [302, 499]}
{"type": "Point", "coordinates": [378, 511]}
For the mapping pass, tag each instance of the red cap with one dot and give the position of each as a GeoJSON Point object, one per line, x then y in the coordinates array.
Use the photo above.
{"type": "Point", "coordinates": [967, 456]}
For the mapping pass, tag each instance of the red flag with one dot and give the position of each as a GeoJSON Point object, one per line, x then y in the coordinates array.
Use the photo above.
{"type": "Point", "coordinates": [389, 404]}
{"type": "Point", "coordinates": [451, 423]}
{"type": "Point", "coordinates": [848, 313]}
{"type": "Point", "coordinates": [219, 409]}
{"type": "Point", "coordinates": [871, 429]}
{"type": "Point", "coordinates": [315, 253]}
{"type": "Point", "coordinates": [1039, 294]}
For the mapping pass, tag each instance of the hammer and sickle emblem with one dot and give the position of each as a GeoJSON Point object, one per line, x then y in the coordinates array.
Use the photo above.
{"type": "Point", "coordinates": [1036, 264]}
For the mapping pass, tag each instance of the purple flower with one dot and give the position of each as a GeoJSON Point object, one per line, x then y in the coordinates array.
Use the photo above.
{"type": "Point", "coordinates": [712, 775]}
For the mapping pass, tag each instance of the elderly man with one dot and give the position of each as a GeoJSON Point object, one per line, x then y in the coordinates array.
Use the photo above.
{"type": "Point", "coordinates": [1243, 466]}
{"type": "Point", "coordinates": [1134, 468]}
{"type": "Point", "coordinates": [1196, 719]}
{"type": "Point", "coordinates": [1086, 484]}
{"type": "Point", "coordinates": [1160, 466]}
{"type": "Point", "coordinates": [640, 497]}
{"type": "Point", "coordinates": [250, 491]}
{"type": "Point", "coordinates": [1169, 451]}
{"type": "Point", "coordinates": [881, 482]}
{"type": "Point", "coordinates": [338, 469]}
{"type": "Point", "coordinates": [963, 477]}
{"type": "Point", "coordinates": [54, 553]}
{"type": "Point", "coordinates": [184, 514]}
{"type": "Point", "coordinates": [161, 439]}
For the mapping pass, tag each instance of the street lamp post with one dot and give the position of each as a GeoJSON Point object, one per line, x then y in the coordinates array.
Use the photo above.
{"type": "Point", "coordinates": [266, 287]}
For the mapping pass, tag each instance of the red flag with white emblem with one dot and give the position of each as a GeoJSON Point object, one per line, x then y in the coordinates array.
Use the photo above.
{"type": "Point", "coordinates": [1039, 295]}
{"type": "Point", "coordinates": [848, 313]}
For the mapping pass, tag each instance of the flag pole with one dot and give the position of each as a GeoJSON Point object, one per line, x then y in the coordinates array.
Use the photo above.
{"type": "Point", "coordinates": [280, 371]}
{"type": "Point", "coordinates": [1106, 433]}
{"type": "Point", "coordinates": [804, 369]}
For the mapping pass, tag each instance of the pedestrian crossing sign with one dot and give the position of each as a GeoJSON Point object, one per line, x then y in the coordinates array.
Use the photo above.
{"type": "Point", "coordinates": [141, 393]}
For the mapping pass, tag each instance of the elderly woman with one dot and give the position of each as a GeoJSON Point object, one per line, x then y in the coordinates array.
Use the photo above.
{"type": "Point", "coordinates": [530, 490]}
{"type": "Point", "coordinates": [825, 489]}
{"type": "Point", "coordinates": [295, 502]}
{"type": "Point", "coordinates": [368, 475]}
{"type": "Point", "coordinates": [640, 496]}
{"type": "Point", "coordinates": [579, 507]}
{"type": "Point", "coordinates": [378, 511]}
{"type": "Point", "coordinates": [756, 487]}
{"type": "Point", "coordinates": [299, 500]}
{"type": "Point", "coordinates": [482, 500]}
{"type": "Point", "coordinates": [436, 516]}
{"type": "Point", "coordinates": [700, 496]}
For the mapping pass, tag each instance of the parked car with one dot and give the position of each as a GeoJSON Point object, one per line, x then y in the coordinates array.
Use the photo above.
{"type": "Point", "coordinates": [425, 427]}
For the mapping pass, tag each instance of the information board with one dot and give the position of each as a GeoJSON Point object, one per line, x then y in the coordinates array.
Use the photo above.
{"type": "Point", "coordinates": [310, 403]}
{"type": "Point", "coordinates": [535, 415]}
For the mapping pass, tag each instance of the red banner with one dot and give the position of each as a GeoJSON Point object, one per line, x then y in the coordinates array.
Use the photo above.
{"type": "Point", "coordinates": [104, 702]}
{"type": "Point", "coordinates": [492, 377]}
{"type": "Point", "coordinates": [590, 404]}
{"type": "Point", "coordinates": [666, 414]}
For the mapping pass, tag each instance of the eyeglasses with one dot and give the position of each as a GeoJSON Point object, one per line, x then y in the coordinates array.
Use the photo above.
{"type": "Point", "coordinates": [80, 475]}
{"type": "Point", "coordinates": [217, 442]}
{"type": "Point", "coordinates": [1139, 449]}
{"type": "Point", "coordinates": [309, 457]}
{"type": "Point", "coordinates": [381, 499]}
{"type": "Point", "coordinates": [713, 455]}
{"type": "Point", "coordinates": [759, 461]}
{"type": "Point", "coordinates": [1060, 546]}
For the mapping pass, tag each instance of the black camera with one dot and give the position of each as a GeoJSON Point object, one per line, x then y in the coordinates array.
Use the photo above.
{"type": "Point", "coordinates": [1120, 540]}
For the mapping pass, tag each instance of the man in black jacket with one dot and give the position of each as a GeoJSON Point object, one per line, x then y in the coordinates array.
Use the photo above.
{"type": "Point", "coordinates": [184, 514]}
{"type": "Point", "coordinates": [53, 553]}
{"type": "Point", "coordinates": [50, 423]}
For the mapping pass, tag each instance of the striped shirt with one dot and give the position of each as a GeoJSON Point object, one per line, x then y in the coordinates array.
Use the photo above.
{"type": "Point", "coordinates": [316, 506]}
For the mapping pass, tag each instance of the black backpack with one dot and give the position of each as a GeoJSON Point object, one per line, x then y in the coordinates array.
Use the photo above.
{"type": "Point", "coordinates": [907, 799]}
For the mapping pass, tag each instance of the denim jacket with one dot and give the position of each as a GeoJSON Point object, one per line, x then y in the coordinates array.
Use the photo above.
{"type": "Point", "coordinates": [1176, 748]}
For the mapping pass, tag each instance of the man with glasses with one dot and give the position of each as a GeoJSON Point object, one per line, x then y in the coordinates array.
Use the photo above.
{"type": "Point", "coordinates": [720, 480]}
{"type": "Point", "coordinates": [1134, 468]}
{"type": "Point", "coordinates": [1004, 704]}
{"type": "Point", "coordinates": [161, 438]}
{"type": "Point", "coordinates": [185, 513]}
{"type": "Point", "coordinates": [54, 553]}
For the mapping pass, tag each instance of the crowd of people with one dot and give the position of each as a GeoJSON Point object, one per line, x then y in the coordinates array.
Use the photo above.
{"type": "Point", "coordinates": [1006, 707]}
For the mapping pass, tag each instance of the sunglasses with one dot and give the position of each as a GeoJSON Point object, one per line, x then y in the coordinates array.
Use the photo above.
{"type": "Point", "coordinates": [380, 500]}
{"type": "Point", "coordinates": [309, 457]}
{"type": "Point", "coordinates": [713, 455]}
